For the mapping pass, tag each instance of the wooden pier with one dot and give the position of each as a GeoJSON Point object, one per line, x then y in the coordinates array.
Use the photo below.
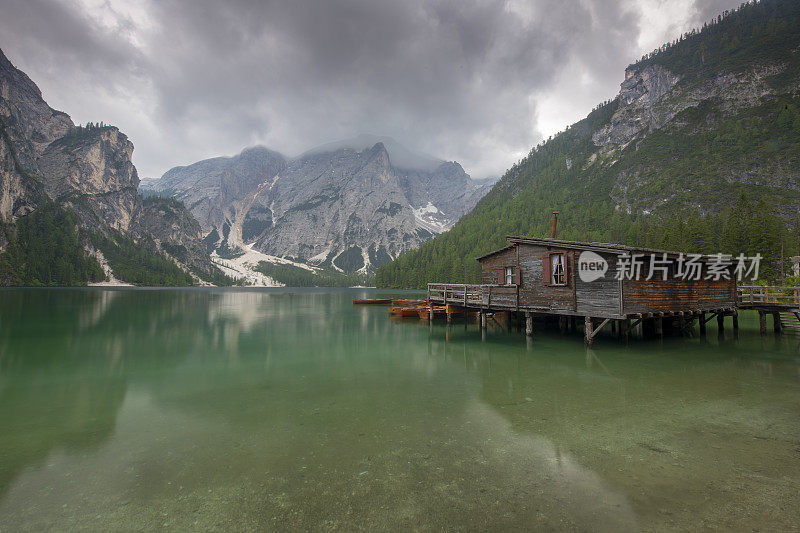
{"type": "Point", "coordinates": [487, 302]}
{"type": "Point", "coordinates": [537, 280]}
{"type": "Point", "coordinates": [782, 303]}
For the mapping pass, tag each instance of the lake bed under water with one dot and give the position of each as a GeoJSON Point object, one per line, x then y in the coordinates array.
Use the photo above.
{"type": "Point", "coordinates": [239, 409]}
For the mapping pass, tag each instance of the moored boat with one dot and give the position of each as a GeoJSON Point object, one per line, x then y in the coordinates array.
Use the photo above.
{"type": "Point", "coordinates": [374, 301]}
{"type": "Point", "coordinates": [405, 311]}
{"type": "Point", "coordinates": [425, 312]}
{"type": "Point", "coordinates": [409, 303]}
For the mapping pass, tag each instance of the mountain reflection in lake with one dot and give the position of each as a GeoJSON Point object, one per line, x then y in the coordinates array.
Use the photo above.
{"type": "Point", "coordinates": [291, 408]}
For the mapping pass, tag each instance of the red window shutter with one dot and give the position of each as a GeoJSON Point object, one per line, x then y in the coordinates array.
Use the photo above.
{"type": "Point", "coordinates": [546, 269]}
{"type": "Point", "coordinates": [566, 268]}
{"type": "Point", "coordinates": [501, 276]}
{"type": "Point", "coordinates": [519, 275]}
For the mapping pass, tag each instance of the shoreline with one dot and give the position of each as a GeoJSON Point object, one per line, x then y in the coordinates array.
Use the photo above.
{"type": "Point", "coordinates": [110, 284]}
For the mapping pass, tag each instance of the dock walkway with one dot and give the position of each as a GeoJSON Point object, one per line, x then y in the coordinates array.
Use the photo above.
{"type": "Point", "coordinates": [783, 303]}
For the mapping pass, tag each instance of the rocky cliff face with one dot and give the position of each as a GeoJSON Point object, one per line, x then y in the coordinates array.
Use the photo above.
{"type": "Point", "coordinates": [346, 208]}
{"type": "Point", "coordinates": [661, 121]}
{"type": "Point", "coordinates": [637, 113]}
{"type": "Point", "coordinates": [174, 231]}
{"type": "Point", "coordinates": [43, 155]}
{"type": "Point", "coordinates": [343, 205]}
{"type": "Point", "coordinates": [91, 171]}
{"type": "Point", "coordinates": [27, 126]}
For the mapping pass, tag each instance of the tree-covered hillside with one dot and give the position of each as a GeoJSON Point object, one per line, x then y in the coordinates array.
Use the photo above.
{"type": "Point", "coordinates": [717, 170]}
{"type": "Point", "coordinates": [44, 248]}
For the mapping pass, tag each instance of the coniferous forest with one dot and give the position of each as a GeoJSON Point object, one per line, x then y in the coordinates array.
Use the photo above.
{"type": "Point", "coordinates": [44, 249]}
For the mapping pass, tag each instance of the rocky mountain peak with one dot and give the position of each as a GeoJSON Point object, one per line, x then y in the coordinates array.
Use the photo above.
{"type": "Point", "coordinates": [22, 107]}
{"type": "Point", "coordinates": [347, 205]}
{"type": "Point", "coordinates": [400, 156]}
{"type": "Point", "coordinates": [381, 155]}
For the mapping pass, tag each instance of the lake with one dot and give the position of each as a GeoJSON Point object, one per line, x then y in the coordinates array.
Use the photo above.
{"type": "Point", "coordinates": [278, 409]}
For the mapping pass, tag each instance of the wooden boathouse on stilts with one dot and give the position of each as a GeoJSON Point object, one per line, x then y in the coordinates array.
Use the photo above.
{"type": "Point", "coordinates": [537, 278]}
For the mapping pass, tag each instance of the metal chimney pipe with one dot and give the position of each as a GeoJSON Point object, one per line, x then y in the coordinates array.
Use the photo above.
{"type": "Point", "coordinates": [555, 223]}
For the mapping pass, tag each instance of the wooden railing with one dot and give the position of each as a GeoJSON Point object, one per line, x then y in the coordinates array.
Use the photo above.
{"type": "Point", "coordinates": [483, 296]}
{"type": "Point", "coordinates": [756, 294]}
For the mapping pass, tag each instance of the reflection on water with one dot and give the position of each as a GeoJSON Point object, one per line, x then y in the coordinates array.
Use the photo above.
{"type": "Point", "coordinates": [278, 409]}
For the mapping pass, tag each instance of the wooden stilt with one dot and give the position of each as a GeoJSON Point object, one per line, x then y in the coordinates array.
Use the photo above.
{"type": "Point", "coordinates": [721, 321]}
{"type": "Point", "coordinates": [776, 321]}
{"type": "Point", "coordinates": [587, 331]}
{"type": "Point", "coordinates": [624, 329]}
{"type": "Point", "coordinates": [528, 325]}
{"type": "Point", "coordinates": [762, 322]}
{"type": "Point", "coordinates": [659, 326]}
{"type": "Point", "coordinates": [483, 320]}
{"type": "Point", "coordinates": [702, 319]}
{"type": "Point", "coordinates": [735, 320]}
{"type": "Point", "coordinates": [613, 327]}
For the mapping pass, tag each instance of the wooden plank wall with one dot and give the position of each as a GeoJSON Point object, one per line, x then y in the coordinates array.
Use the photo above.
{"type": "Point", "coordinates": [533, 291]}
{"type": "Point", "coordinates": [601, 296]}
{"type": "Point", "coordinates": [504, 296]}
{"type": "Point", "coordinates": [492, 264]}
{"type": "Point", "coordinates": [676, 295]}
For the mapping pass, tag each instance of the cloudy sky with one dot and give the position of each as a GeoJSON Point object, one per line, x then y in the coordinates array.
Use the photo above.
{"type": "Point", "coordinates": [476, 81]}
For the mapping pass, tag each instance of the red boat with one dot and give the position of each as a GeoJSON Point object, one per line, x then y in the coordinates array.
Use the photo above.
{"type": "Point", "coordinates": [410, 303]}
{"type": "Point", "coordinates": [424, 312]}
{"type": "Point", "coordinates": [367, 301]}
{"type": "Point", "coordinates": [405, 311]}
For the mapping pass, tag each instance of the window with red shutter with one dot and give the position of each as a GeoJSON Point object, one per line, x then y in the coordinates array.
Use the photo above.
{"type": "Point", "coordinates": [546, 269]}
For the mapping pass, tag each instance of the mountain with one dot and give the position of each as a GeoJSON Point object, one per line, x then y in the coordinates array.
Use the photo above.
{"type": "Point", "coordinates": [699, 151]}
{"type": "Point", "coordinates": [349, 206]}
{"type": "Point", "coordinates": [61, 183]}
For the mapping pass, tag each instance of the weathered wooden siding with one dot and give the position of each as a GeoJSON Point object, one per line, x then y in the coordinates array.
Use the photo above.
{"type": "Point", "coordinates": [501, 296]}
{"type": "Point", "coordinates": [534, 292]}
{"type": "Point", "coordinates": [677, 295]}
{"type": "Point", "coordinates": [601, 297]}
{"type": "Point", "coordinates": [491, 265]}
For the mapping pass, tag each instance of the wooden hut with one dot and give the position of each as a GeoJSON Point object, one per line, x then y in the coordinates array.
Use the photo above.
{"type": "Point", "coordinates": [571, 279]}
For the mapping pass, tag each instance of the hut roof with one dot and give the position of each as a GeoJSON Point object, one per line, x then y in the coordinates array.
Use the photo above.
{"type": "Point", "coordinates": [578, 245]}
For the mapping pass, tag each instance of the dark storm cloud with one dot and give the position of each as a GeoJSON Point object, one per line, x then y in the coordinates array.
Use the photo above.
{"type": "Point", "coordinates": [446, 76]}
{"type": "Point", "coordinates": [454, 78]}
{"type": "Point", "coordinates": [56, 36]}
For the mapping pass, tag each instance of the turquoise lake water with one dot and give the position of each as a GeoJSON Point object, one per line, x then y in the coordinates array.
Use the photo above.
{"type": "Point", "coordinates": [279, 409]}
